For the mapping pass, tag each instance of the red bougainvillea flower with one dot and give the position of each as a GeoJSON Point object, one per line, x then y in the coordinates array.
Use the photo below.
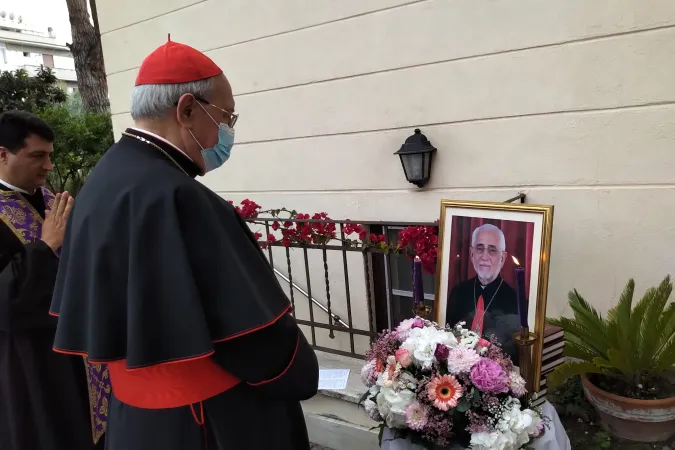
{"type": "Point", "coordinates": [248, 209]}
{"type": "Point", "coordinates": [444, 391]}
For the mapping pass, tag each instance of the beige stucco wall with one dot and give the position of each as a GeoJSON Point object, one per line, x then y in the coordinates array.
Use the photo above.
{"type": "Point", "coordinates": [570, 101]}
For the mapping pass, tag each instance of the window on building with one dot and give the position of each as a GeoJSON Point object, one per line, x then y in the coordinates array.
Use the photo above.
{"type": "Point", "coordinates": [26, 54]}
{"type": "Point", "coordinates": [392, 279]}
{"type": "Point", "coordinates": [48, 61]}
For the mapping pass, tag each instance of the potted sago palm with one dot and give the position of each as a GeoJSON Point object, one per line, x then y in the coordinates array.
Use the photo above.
{"type": "Point", "coordinates": [625, 361]}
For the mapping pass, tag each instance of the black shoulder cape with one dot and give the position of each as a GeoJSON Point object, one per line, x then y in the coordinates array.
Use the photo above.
{"type": "Point", "coordinates": [155, 267]}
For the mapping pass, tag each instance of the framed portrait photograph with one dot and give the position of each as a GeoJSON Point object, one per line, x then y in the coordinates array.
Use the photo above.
{"type": "Point", "coordinates": [492, 270]}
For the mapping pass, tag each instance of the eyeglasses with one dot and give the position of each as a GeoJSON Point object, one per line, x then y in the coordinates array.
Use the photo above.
{"type": "Point", "coordinates": [233, 117]}
{"type": "Point", "coordinates": [490, 249]}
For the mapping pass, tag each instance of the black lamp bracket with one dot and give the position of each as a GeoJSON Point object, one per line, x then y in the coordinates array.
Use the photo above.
{"type": "Point", "coordinates": [518, 198]}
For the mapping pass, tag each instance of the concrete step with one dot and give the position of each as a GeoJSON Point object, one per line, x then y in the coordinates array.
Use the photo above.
{"type": "Point", "coordinates": [334, 419]}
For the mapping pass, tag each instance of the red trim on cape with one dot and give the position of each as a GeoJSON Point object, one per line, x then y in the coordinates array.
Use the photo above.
{"type": "Point", "coordinates": [190, 358]}
{"type": "Point", "coordinates": [170, 385]}
{"type": "Point", "coordinates": [295, 352]}
{"type": "Point", "coordinates": [260, 327]}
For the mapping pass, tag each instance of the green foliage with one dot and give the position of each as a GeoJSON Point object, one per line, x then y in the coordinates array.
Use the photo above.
{"type": "Point", "coordinates": [602, 440]}
{"type": "Point", "coordinates": [23, 92]}
{"type": "Point", "coordinates": [635, 345]}
{"type": "Point", "coordinates": [80, 142]}
{"type": "Point", "coordinates": [74, 103]}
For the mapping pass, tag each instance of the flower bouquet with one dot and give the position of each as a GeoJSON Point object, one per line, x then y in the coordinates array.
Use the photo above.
{"type": "Point", "coordinates": [441, 386]}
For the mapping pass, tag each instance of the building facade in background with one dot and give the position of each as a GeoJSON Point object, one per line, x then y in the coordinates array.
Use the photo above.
{"type": "Point", "coordinates": [27, 46]}
{"type": "Point", "coordinates": [569, 101]}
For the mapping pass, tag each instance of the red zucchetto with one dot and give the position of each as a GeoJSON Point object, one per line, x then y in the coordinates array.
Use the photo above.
{"type": "Point", "coordinates": [175, 63]}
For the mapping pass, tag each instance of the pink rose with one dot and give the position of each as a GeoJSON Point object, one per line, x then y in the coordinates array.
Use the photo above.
{"type": "Point", "coordinates": [403, 357]}
{"type": "Point", "coordinates": [418, 323]}
{"type": "Point", "coordinates": [488, 376]}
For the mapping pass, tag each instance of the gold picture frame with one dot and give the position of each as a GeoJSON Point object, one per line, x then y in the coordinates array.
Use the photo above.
{"type": "Point", "coordinates": [542, 218]}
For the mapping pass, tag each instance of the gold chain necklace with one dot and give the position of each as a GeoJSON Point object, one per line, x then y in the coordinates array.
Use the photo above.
{"type": "Point", "coordinates": [145, 141]}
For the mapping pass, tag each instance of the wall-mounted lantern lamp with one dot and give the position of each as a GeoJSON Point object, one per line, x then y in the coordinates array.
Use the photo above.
{"type": "Point", "coordinates": [416, 155]}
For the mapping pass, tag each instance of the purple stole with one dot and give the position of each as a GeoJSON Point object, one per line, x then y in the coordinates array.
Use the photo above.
{"type": "Point", "coordinates": [26, 223]}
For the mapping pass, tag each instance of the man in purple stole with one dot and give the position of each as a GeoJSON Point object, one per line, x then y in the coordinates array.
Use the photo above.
{"type": "Point", "coordinates": [44, 401]}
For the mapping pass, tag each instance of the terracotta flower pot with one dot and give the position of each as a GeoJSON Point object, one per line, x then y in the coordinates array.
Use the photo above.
{"type": "Point", "coordinates": [633, 419]}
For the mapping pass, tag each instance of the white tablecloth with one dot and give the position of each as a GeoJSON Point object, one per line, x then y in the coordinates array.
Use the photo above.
{"type": "Point", "coordinates": [555, 437]}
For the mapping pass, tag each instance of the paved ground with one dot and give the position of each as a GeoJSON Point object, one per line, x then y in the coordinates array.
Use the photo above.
{"type": "Point", "coordinates": [318, 447]}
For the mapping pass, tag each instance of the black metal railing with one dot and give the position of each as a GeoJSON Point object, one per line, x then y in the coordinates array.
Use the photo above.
{"type": "Point", "coordinates": [326, 309]}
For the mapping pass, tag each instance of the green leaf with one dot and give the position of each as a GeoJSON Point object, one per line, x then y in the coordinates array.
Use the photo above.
{"type": "Point", "coordinates": [622, 311]}
{"type": "Point", "coordinates": [570, 369]}
{"type": "Point", "coordinates": [619, 319]}
{"type": "Point", "coordinates": [586, 315]}
{"type": "Point", "coordinates": [589, 336]}
{"type": "Point", "coordinates": [651, 329]}
{"type": "Point", "coordinates": [577, 349]}
{"type": "Point", "coordinates": [667, 322]}
{"type": "Point", "coordinates": [463, 406]}
{"type": "Point", "coordinates": [614, 362]}
{"type": "Point", "coordinates": [665, 357]}
{"type": "Point", "coordinates": [363, 397]}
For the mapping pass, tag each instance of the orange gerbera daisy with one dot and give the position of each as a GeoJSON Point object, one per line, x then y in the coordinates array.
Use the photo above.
{"type": "Point", "coordinates": [444, 392]}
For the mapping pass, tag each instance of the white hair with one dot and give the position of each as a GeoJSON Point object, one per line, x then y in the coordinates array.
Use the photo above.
{"type": "Point", "coordinates": [489, 227]}
{"type": "Point", "coordinates": [154, 101]}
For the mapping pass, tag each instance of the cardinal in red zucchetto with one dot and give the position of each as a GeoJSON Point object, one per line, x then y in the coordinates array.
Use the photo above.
{"type": "Point", "coordinates": [162, 280]}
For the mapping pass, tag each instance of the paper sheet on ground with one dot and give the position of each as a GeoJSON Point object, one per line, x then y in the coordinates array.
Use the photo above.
{"type": "Point", "coordinates": [333, 379]}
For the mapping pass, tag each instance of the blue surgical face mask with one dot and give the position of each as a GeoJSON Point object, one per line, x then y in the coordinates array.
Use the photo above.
{"type": "Point", "coordinates": [216, 156]}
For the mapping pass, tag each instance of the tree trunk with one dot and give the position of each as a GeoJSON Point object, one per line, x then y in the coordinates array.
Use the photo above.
{"type": "Point", "coordinates": [94, 16]}
{"type": "Point", "coordinates": [88, 54]}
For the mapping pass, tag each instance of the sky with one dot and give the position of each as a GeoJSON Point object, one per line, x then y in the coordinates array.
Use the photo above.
{"type": "Point", "coordinates": [42, 14]}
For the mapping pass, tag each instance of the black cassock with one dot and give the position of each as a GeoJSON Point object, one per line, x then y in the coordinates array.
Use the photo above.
{"type": "Point", "coordinates": [157, 268]}
{"type": "Point", "coordinates": [43, 395]}
{"type": "Point", "coordinates": [501, 310]}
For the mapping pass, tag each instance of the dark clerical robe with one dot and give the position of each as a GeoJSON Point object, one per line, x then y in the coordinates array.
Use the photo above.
{"type": "Point", "coordinates": [43, 395]}
{"type": "Point", "coordinates": [161, 279]}
{"type": "Point", "coordinates": [501, 310]}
